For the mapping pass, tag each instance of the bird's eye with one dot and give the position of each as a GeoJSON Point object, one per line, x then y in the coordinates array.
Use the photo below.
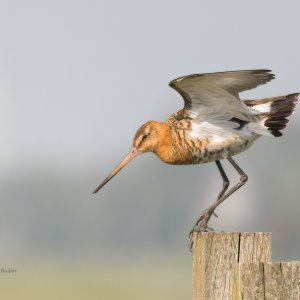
{"type": "Point", "coordinates": [145, 135]}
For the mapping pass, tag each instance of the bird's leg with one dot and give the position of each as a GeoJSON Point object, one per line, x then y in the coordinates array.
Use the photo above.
{"type": "Point", "coordinates": [201, 224]}
{"type": "Point", "coordinates": [225, 179]}
{"type": "Point", "coordinates": [223, 190]}
{"type": "Point", "coordinates": [241, 182]}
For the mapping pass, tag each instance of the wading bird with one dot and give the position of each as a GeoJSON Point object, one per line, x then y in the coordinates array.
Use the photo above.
{"type": "Point", "coordinates": [214, 124]}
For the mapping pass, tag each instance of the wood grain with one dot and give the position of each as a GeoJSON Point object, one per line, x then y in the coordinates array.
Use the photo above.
{"type": "Point", "coordinates": [215, 256]}
{"type": "Point", "coordinates": [266, 281]}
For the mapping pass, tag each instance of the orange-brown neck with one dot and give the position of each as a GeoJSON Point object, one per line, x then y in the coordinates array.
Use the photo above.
{"type": "Point", "coordinates": [164, 149]}
{"type": "Point", "coordinates": [170, 147]}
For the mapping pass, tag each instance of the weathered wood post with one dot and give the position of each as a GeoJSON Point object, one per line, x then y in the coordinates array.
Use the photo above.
{"type": "Point", "coordinates": [215, 255]}
{"type": "Point", "coordinates": [269, 280]}
{"type": "Point", "coordinates": [238, 266]}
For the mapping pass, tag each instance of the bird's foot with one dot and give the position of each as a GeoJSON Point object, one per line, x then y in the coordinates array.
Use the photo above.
{"type": "Point", "coordinates": [201, 226]}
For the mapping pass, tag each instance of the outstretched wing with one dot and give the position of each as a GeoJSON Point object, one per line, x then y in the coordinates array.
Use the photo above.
{"type": "Point", "coordinates": [213, 98]}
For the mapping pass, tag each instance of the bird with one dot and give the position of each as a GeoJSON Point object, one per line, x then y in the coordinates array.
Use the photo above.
{"type": "Point", "coordinates": [215, 124]}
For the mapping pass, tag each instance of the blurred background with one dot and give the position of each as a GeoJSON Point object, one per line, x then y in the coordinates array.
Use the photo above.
{"type": "Point", "coordinates": [77, 78]}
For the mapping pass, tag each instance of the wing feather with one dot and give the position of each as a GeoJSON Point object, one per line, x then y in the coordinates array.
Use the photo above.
{"type": "Point", "coordinates": [195, 87]}
{"type": "Point", "coordinates": [213, 98]}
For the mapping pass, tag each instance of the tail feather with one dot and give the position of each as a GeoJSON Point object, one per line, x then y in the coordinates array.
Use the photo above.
{"type": "Point", "coordinates": [273, 113]}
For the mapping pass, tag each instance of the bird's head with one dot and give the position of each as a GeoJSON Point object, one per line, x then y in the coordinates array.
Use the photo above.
{"type": "Point", "coordinates": [147, 139]}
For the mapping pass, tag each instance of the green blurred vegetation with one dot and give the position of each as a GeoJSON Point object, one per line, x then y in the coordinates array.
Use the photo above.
{"type": "Point", "coordinates": [134, 280]}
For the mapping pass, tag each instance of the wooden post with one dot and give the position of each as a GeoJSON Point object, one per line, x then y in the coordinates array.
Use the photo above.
{"type": "Point", "coordinates": [215, 255]}
{"type": "Point", "coordinates": [238, 266]}
{"type": "Point", "coordinates": [270, 281]}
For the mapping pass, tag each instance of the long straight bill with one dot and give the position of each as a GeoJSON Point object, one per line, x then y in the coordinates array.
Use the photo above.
{"type": "Point", "coordinates": [130, 156]}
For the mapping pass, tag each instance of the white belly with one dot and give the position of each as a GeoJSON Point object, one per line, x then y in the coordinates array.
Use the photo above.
{"type": "Point", "coordinates": [219, 147]}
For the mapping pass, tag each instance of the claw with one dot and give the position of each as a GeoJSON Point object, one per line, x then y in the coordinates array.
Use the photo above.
{"type": "Point", "coordinates": [199, 229]}
{"type": "Point", "coordinates": [191, 244]}
{"type": "Point", "coordinates": [201, 226]}
{"type": "Point", "coordinates": [215, 214]}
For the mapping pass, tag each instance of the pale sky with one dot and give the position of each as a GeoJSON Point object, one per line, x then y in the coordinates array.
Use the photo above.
{"type": "Point", "coordinates": [77, 78]}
